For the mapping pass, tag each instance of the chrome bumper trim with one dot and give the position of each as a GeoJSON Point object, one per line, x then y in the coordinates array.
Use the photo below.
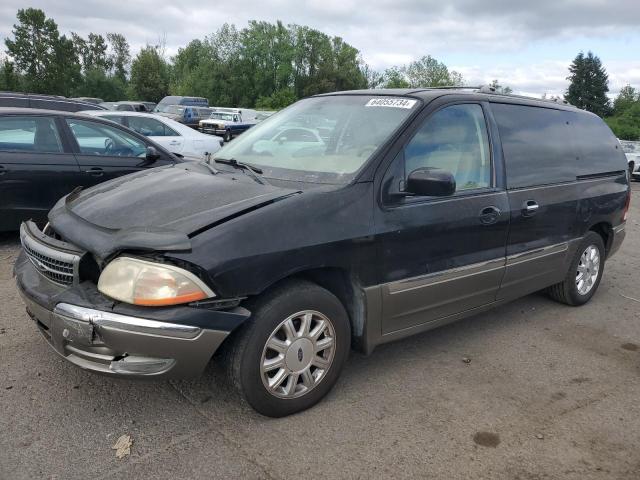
{"type": "Point", "coordinates": [125, 322]}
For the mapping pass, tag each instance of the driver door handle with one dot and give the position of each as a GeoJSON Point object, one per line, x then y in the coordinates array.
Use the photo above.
{"type": "Point", "coordinates": [530, 208]}
{"type": "Point", "coordinates": [95, 171]}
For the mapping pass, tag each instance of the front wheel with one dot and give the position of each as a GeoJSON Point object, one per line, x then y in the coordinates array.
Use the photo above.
{"type": "Point", "coordinates": [227, 136]}
{"type": "Point", "coordinates": [291, 351]}
{"type": "Point", "coordinates": [585, 272]}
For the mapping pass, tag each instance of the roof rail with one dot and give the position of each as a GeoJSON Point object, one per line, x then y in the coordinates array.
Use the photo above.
{"type": "Point", "coordinates": [488, 89]}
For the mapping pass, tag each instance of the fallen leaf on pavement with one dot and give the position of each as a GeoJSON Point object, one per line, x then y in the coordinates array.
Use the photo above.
{"type": "Point", "coordinates": [123, 446]}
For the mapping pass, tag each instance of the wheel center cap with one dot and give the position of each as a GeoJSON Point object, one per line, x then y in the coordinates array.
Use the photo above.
{"type": "Point", "coordinates": [299, 355]}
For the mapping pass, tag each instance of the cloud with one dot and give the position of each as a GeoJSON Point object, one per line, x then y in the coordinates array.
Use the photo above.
{"type": "Point", "coordinates": [387, 32]}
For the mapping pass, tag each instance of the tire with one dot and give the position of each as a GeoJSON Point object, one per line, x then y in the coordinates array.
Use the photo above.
{"type": "Point", "coordinates": [227, 136]}
{"type": "Point", "coordinates": [567, 291]}
{"type": "Point", "coordinates": [305, 383]}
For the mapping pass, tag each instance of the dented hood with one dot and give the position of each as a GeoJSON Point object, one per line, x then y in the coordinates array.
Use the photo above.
{"type": "Point", "coordinates": [157, 209]}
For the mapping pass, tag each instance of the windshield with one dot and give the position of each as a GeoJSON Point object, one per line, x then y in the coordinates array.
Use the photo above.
{"type": "Point", "coordinates": [321, 139]}
{"type": "Point", "coordinates": [221, 116]}
{"type": "Point", "coordinates": [174, 109]}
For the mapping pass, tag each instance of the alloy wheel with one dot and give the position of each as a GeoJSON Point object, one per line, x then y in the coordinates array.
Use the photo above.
{"type": "Point", "coordinates": [298, 354]}
{"type": "Point", "coordinates": [588, 269]}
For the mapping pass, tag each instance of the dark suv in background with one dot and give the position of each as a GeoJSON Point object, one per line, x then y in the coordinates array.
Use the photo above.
{"type": "Point", "coordinates": [346, 220]}
{"type": "Point", "coordinates": [46, 102]}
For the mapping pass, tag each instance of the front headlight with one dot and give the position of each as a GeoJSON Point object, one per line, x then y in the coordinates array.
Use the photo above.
{"type": "Point", "coordinates": [141, 282]}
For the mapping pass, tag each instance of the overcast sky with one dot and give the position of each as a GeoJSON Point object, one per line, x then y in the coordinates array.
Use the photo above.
{"type": "Point", "coordinates": [527, 45]}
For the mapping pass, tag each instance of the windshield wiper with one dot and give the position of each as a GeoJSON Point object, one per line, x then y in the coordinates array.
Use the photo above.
{"type": "Point", "coordinates": [254, 171]}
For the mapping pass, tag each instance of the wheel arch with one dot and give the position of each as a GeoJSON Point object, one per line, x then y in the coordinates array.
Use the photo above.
{"type": "Point", "coordinates": [605, 230]}
{"type": "Point", "coordinates": [341, 283]}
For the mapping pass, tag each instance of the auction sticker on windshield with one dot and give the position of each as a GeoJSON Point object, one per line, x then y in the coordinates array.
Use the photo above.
{"type": "Point", "coordinates": [391, 102]}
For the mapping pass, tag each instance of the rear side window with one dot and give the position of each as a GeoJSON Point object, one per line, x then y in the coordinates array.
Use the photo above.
{"type": "Point", "coordinates": [150, 127]}
{"type": "Point", "coordinates": [115, 118]}
{"type": "Point", "coordinates": [597, 147]}
{"type": "Point", "coordinates": [29, 134]}
{"type": "Point", "coordinates": [537, 145]}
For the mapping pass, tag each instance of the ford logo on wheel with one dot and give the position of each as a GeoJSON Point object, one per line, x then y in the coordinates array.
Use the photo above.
{"type": "Point", "coordinates": [300, 354]}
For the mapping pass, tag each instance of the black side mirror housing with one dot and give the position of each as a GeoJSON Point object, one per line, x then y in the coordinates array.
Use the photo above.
{"type": "Point", "coordinates": [432, 182]}
{"type": "Point", "coordinates": [152, 154]}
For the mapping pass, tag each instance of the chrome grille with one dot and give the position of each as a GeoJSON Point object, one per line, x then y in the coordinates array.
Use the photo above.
{"type": "Point", "coordinates": [55, 265]}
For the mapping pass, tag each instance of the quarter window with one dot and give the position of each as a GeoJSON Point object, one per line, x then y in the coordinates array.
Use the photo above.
{"type": "Point", "coordinates": [454, 139]}
{"type": "Point", "coordinates": [537, 145]}
{"type": "Point", "coordinates": [29, 134]}
{"type": "Point", "coordinates": [98, 139]}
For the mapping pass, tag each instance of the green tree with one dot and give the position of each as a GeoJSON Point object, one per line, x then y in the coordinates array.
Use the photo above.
{"type": "Point", "coordinates": [588, 85]}
{"type": "Point", "coordinates": [149, 75]}
{"type": "Point", "coordinates": [119, 55]}
{"type": "Point", "coordinates": [373, 78]}
{"type": "Point", "coordinates": [65, 68]}
{"type": "Point", "coordinates": [277, 100]}
{"type": "Point", "coordinates": [626, 99]}
{"type": "Point", "coordinates": [429, 72]}
{"type": "Point", "coordinates": [33, 49]}
{"type": "Point", "coordinates": [10, 79]}
{"type": "Point", "coordinates": [393, 77]}
{"type": "Point", "coordinates": [499, 88]}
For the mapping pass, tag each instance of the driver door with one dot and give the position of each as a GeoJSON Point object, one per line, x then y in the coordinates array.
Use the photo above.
{"type": "Point", "coordinates": [105, 152]}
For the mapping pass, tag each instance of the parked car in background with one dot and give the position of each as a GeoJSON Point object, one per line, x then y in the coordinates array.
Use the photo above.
{"type": "Point", "coordinates": [228, 122]}
{"type": "Point", "coordinates": [419, 208]}
{"type": "Point", "coordinates": [180, 100]}
{"type": "Point", "coordinates": [89, 99]}
{"type": "Point", "coordinates": [632, 151]}
{"type": "Point", "coordinates": [174, 136]}
{"type": "Point", "coordinates": [49, 102]}
{"type": "Point", "coordinates": [187, 115]}
{"type": "Point", "coordinates": [126, 106]}
{"type": "Point", "coordinates": [45, 154]}
{"type": "Point", "coordinates": [150, 106]}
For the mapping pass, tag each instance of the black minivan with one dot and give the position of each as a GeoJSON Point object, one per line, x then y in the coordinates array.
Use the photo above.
{"type": "Point", "coordinates": [344, 221]}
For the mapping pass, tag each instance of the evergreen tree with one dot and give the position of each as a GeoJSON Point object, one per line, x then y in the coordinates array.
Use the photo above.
{"type": "Point", "coordinates": [588, 84]}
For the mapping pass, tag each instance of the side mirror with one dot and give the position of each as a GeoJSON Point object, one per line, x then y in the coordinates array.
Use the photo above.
{"type": "Point", "coordinates": [152, 154]}
{"type": "Point", "coordinates": [432, 182]}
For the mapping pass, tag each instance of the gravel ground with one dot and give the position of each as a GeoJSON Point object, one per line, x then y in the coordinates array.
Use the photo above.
{"type": "Point", "coordinates": [550, 392]}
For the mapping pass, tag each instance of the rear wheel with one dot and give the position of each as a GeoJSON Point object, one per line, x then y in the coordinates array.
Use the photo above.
{"type": "Point", "coordinates": [585, 272]}
{"type": "Point", "coordinates": [290, 353]}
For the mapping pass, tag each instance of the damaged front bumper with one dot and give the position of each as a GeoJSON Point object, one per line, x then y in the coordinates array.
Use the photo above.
{"type": "Point", "coordinates": [118, 339]}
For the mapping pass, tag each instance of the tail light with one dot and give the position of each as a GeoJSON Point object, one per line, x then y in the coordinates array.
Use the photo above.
{"type": "Point", "coordinates": [627, 203]}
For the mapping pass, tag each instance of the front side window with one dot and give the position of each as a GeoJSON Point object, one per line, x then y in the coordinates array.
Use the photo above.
{"type": "Point", "coordinates": [321, 139]}
{"type": "Point", "coordinates": [150, 127]}
{"type": "Point", "coordinates": [453, 139]}
{"type": "Point", "coordinates": [99, 139]}
{"type": "Point", "coordinates": [29, 134]}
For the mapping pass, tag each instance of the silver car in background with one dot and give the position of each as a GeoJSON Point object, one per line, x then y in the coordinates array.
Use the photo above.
{"type": "Point", "coordinates": [632, 151]}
